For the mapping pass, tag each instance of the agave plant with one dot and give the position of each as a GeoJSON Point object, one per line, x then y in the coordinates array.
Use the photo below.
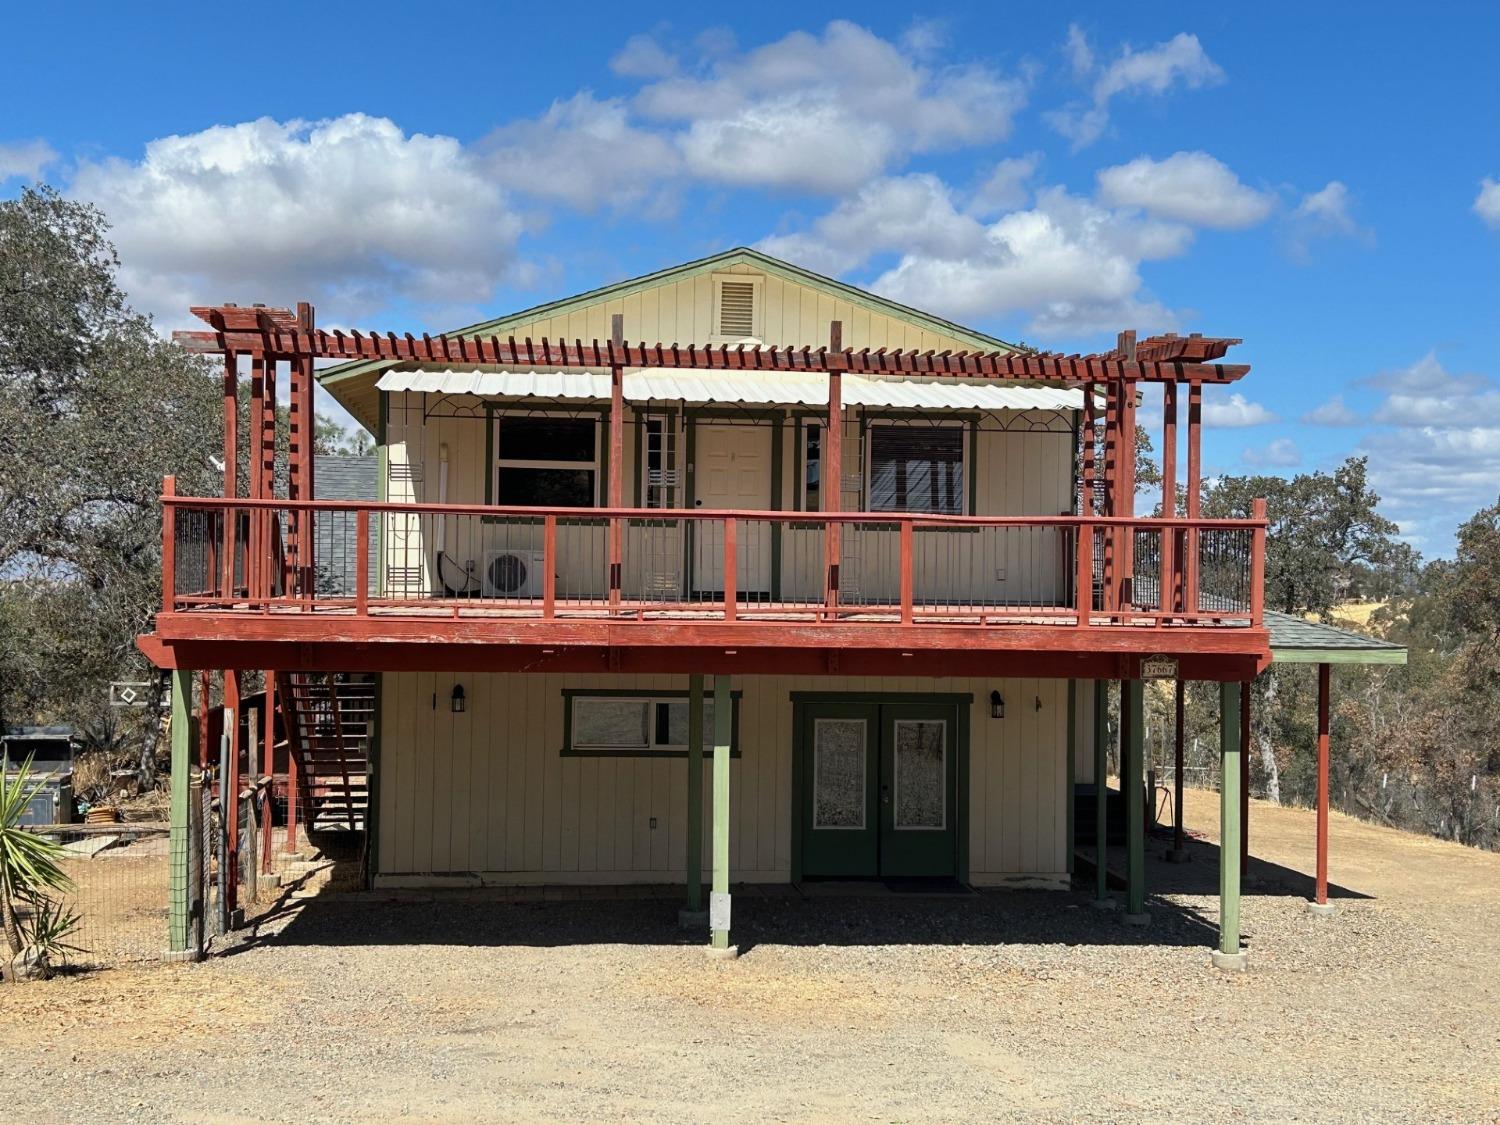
{"type": "Point", "coordinates": [28, 869]}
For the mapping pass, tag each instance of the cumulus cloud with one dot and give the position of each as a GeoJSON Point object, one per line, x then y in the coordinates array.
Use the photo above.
{"type": "Point", "coordinates": [1180, 60]}
{"type": "Point", "coordinates": [1191, 187]}
{"type": "Point", "coordinates": [1325, 213]}
{"type": "Point", "coordinates": [1487, 203]}
{"type": "Point", "coordinates": [1280, 454]}
{"type": "Point", "coordinates": [25, 159]}
{"type": "Point", "coordinates": [1332, 413]}
{"type": "Point", "coordinates": [1237, 413]}
{"type": "Point", "coordinates": [1427, 394]}
{"type": "Point", "coordinates": [826, 113]}
{"type": "Point", "coordinates": [351, 213]}
{"type": "Point", "coordinates": [643, 57]}
{"type": "Point", "coordinates": [585, 153]}
{"type": "Point", "coordinates": [1007, 187]}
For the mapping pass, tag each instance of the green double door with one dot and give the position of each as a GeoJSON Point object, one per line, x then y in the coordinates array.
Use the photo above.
{"type": "Point", "coordinates": [878, 789]}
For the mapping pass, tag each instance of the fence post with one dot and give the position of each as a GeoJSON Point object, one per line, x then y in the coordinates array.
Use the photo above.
{"type": "Point", "coordinates": [168, 544]}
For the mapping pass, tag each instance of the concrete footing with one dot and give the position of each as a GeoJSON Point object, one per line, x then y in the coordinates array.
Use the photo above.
{"type": "Point", "coordinates": [181, 956]}
{"type": "Point", "coordinates": [728, 954]}
{"type": "Point", "coordinates": [237, 918]}
{"type": "Point", "coordinates": [1322, 909]}
{"type": "Point", "coordinates": [1176, 855]}
{"type": "Point", "coordinates": [1231, 962]}
{"type": "Point", "coordinates": [1141, 919]}
{"type": "Point", "coordinates": [692, 919]}
{"type": "Point", "coordinates": [1104, 904]}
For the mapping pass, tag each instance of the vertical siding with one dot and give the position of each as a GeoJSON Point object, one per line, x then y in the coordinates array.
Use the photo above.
{"type": "Point", "coordinates": [489, 793]}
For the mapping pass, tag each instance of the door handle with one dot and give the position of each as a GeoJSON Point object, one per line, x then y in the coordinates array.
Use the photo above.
{"type": "Point", "coordinates": [885, 794]}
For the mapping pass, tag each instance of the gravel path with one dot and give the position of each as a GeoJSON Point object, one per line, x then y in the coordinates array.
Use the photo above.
{"type": "Point", "coordinates": [1013, 1006]}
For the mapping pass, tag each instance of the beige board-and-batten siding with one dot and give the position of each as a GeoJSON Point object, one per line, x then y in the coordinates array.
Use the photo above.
{"type": "Point", "coordinates": [487, 796]}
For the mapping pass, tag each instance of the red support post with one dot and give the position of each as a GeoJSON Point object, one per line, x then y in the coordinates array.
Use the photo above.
{"type": "Point", "coordinates": [229, 788]}
{"type": "Point", "coordinates": [1258, 564]}
{"type": "Point", "coordinates": [231, 469]}
{"type": "Point", "coordinates": [1194, 497]}
{"type": "Point", "coordinates": [361, 562]}
{"type": "Point", "coordinates": [207, 754]}
{"type": "Point", "coordinates": [908, 609]}
{"type": "Point", "coordinates": [168, 545]}
{"type": "Point", "coordinates": [268, 767]}
{"type": "Point", "coordinates": [549, 567]}
{"type": "Point", "coordinates": [831, 478]}
{"type": "Point", "coordinates": [616, 457]}
{"type": "Point", "coordinates": [1167, 574]}
{"type": "Point", "coordinates": [256, 548]}
{"type": "Point", "coordinates": [293, 789]}
{"type": "Point", "coordinates": [1109, 499]}
{"type": "Point", "coordinates": [307, 545]}
{"type": "Point", "coordinates": [1320, 896]}
{"type": "Point", "coordinates": [731, 577]}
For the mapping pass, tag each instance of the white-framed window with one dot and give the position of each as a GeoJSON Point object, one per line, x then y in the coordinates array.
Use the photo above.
{"type": "Point", "coordinates": [546, 460]}
{"type": "Point", "coordinates": [738, 303]}
{"type": "Point", "coordinates": [916, 468]}
{"type": "Point", "coordinates": [660, 481]}
{"type": "Point", "coordinates": [636, 725]}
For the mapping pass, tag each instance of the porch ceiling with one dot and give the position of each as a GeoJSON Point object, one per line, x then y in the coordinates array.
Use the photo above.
{"type": "Point", "coordinates": [655, 384]}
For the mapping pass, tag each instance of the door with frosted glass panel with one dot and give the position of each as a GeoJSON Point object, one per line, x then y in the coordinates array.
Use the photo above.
{"type": "Point", "coordinates": [878, 783]}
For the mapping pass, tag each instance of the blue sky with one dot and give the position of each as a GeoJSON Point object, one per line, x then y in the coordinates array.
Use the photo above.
{"type": "Point", "coordinates": [1317, 179]}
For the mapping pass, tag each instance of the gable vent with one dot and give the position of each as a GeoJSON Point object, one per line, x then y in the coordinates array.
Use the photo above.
{"type": "Point", "coordinates": [737, 309]}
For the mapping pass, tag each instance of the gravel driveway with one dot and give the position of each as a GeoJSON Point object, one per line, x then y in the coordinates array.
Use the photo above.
{"type": "Point", "coordinates": [1003, 1006]}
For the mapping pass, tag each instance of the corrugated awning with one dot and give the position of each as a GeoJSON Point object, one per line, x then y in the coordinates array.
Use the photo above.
{"type": "Point", "coordinates": [767, 389]}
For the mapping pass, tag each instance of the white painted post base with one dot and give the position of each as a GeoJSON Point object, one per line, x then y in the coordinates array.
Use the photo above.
{"type": "Point", "coordinates": [1231, 962]}
{"type": "Point", "coordinates": [728, 953]}
{"type": "Point", "coordinates": [1322, 909]}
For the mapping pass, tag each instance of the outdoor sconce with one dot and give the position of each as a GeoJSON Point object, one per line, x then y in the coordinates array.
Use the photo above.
{"type": "Point", "coordinates": [997, 705]}
{"type": "Point", "coordinates": [1039, 703]}
{"type": "Point", "coordinates": [459, 703]}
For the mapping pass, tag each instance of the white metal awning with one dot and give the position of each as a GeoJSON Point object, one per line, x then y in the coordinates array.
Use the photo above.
{"type": "Point", "coordinates": [660, 384]}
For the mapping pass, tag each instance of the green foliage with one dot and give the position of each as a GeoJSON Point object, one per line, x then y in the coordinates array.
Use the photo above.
{"type": "Point", "coordinates": [29, 868]}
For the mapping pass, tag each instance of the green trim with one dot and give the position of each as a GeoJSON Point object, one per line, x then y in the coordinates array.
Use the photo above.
{"type": "Point", "coordinates": [971, 501]}
{"type": "Point", "coordinates": [694, 856]}
{"type": "Point", "coordinates": [372, 810]}
{"type": "Point", "coordinates": [180, 910]}
{"type": "Point", "coordinates": [1072, 771]}
{"type": "Point", "coordinates": [738, 256]}
{"type": "Point", "coordinates": [569, 694]}
{"type": "Point", "coordinates": [1229, 816]}
{"type": "Point", "coordinates": [961, 790]}
{"type": "Point", "coordinates": [1337, 655]}
{"type": "Point", "coordinates": [1101, 790]}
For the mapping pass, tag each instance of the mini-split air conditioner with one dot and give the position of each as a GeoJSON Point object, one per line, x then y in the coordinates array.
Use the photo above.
{"type": "Point", "coordinates": [513, 574]}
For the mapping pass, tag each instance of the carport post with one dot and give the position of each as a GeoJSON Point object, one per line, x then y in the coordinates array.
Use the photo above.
{"type": "Point", "coordinates": [179, 915]}
{"type": "Point", "coordinates": [1178, 816]}
{"type": "Point", "coordinates": [695, 794]}
{"type": "Point", "coordinates": [1229, 955]}
{"type": "Point", "coordinates": [1133, 785]}
{"type": "Point", "coordinates": [1101, 795]}
{"type": "Point", "coordinates": [1319, 904]}
{"type": "Point", "coordinates": [718, 906]}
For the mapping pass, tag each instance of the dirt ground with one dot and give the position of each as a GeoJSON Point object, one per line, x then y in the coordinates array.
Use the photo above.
{"type": "Point", "coordinates": [1003, 1006]}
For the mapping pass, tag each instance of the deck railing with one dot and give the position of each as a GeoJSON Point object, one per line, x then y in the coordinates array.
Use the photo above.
{"type": "Point", "coordinates": [636, 564]}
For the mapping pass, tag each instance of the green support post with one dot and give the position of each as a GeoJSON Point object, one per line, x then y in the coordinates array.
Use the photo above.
{"type": "Point", "coordinates": [1133, 787]}
{"type": "Point", "coordinates": [718, 908]}
{"type": "Point", "coordinates": [179, 916]}
{"type": "Point", "coordinates": [1101, 795]}
{"type": "Point", "coordinates": [1229, 955]}
{"type": "Point", "coordinates": [695, 795]}
{"type": "Point", "coordinates": [1072, 768]}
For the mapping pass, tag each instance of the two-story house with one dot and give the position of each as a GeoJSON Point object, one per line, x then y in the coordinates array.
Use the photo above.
{"type": "Point", "coordinates": [729, 568]}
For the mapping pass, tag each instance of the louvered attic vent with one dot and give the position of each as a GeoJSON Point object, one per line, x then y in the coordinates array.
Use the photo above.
{"type": "Point", "coordinates": [737, 309]}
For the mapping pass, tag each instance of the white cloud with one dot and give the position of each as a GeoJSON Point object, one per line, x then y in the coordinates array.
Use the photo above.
{"type": "Point", "coordinates": [350, 213]}
{"type": "Point", "coordinates": [1180, 60]}
{"type": "Point", "coordinates": [643, 57]}
{"type": "Point", "coordinates": [826, 113]}
{"type": "Point", "coordinates": [1237, 413]}
{"type": "Point", "coordinates": [585, 153]}
{"type": "Point", "coordinates": [1280, 454]}
{"type": "Point", "coordinates": [1325, 213]}
{"type": "Point", "coordinates": [1008, 186]}
{"type": "Point", "coordinates": [1487, 203]}
{"type": "Point", "coordinates": [1426, 394]}
{"type": "Point", "coordinates": [1191, 187]}
{"type": "Point", "coordinates": [1332, 413]}
{"type": "Point", "coordinates": [25, 159]}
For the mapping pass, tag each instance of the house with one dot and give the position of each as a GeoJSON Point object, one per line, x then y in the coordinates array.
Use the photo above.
{"type": "Point", "coordinates": [731, 569]}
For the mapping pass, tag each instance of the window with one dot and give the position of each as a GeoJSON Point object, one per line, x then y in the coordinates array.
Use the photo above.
{"type": "Point", "coordinates": [812, 467]}
{"type": "Point", "coordinates": [546, 462]}
{"type": "Point", "coordinates": [638, 725]}
{"type": "Point", "coordinates": [917, 469]}
{"type": "Point", "coordinates": [660, 484]}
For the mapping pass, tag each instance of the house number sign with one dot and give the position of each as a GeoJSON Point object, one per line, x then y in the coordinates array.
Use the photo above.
{"type": "Point", "coordinates": [1159, 668]}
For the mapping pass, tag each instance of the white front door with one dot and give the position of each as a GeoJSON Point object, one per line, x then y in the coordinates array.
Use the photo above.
{"type": "Point", "coordinates": [732, 472]}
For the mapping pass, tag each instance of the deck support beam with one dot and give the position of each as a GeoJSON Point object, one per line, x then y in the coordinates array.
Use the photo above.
{"type": "Point", "coordinates": [1133, 786]}
{"type": "Point", "coordinates": [1102, 898]}
{"type": "Point", "coordinates": [179, 913]}
{"type": "Point", "coordinates": [694, 858]}
{"type": "Point", "coordinates": [718, 908]}
{"type": "Point", "coordinates": [1320, 905]}
{"type": "Point", "coordinates": [1229, 955]}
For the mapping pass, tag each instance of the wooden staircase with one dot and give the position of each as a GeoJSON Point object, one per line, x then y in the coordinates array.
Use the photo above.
{"type": "Point", "coordinates": [329, 719]}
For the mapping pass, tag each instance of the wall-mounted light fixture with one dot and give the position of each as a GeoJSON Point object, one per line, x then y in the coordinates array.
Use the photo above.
{"type": "Point", "coordinates": [1039, 703]}
{"type": "Point", "coordinates": [459, 703]}
{"type": "Point", "coordinates": [997, 705]}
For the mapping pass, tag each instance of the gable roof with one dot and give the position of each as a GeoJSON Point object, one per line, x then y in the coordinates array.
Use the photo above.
{"type": "Point", "coordinates": [740, 255]}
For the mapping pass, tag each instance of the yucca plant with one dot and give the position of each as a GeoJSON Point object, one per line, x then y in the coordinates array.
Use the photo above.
{"type": "Point", "coordinates": [28, 864]}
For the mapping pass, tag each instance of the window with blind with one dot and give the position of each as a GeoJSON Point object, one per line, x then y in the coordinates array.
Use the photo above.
{"type": "Point", "coordinates": [637, 726]}
{"type": "Point", "coordinates": [917, 469]}
{"type": "Point", "coordinates": [546, 462]}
